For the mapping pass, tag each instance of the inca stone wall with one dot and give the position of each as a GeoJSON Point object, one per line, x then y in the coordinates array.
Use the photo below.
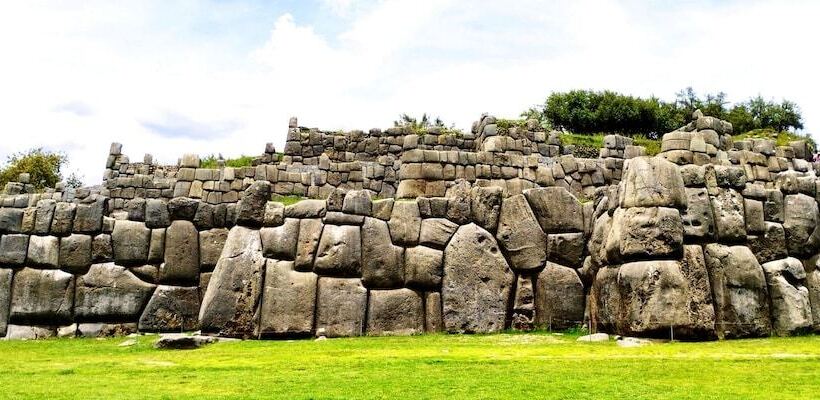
{"type": "Point", "coordinates": [403, 233]}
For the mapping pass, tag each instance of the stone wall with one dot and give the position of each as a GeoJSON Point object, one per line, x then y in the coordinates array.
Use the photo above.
{"type": "Point", "coordinates": [483, 233]}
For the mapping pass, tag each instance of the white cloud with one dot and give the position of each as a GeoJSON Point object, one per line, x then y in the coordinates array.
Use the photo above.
{"type": "Point", "coordinates": [76, 77]}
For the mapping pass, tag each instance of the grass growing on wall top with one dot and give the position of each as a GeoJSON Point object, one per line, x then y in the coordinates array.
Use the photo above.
{"type": "Point", "coordinates": [210, 161]}
{"type": "Point", "coordinates": [592, 143]}
{"type": "Point", "coordinates": [516, 366]}
{"type": "Point", "coordinates": [287, 199]}
{"type": "Point", "coordinates": [781, 138]}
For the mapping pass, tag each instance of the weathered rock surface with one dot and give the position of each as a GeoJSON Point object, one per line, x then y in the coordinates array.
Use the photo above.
{"type": "Point", "coordinates": [650, 232]}
{"type": "Point", "coordinates": [251, 210]}
{"type": "Point", "coordinates": [171, 309]}
{"type": "Point", "coordinates": [395, 312]}
{"type": "Point", "coordinates": [791, 307]}
{"type": "Point", "coordinates": [652, 182]}
{"type": "Point", "coordinates": [729, 216]}
{"type": "Point", "coordinates": [179, 341]}
{"type": "Point", "coordinates": [800, 224]}
{"type": "Point", "coordinates": [41, 297]}
{"type": "Point", "coordinates": [405, 223]}
{"type": "Point", "coordinates": [556, 209]}
{"type": "Point", "coordinates": [436, 232]}
{"type": "Point", "coordinates": [423, 267]}
{"type": "Point", "coordinates": [339, 252]}
{"type": "Point", "coordinates": [741, 299]}
{"type": "Point", "coordinates": [566, 249]}
{"type": "Point", "coordinates": [181, 266]}
{"type": "Point", "coordinates": [310, 231]}
{"type": "Point", "coordinates": [110, 293]}
{"type": "Point", "coordinates": [75, 253]}
{"type": "Point", "coordinates": [280, 242]}
{"type": "Point", "coordinates": [341, 306]}
{"type": "Point", "coordinates": [43, 251]}
{"type": "Point", "coordinates": [485, 206]}
{"type": "Point", "coordinates": [5, 298]}
{"type": "Point", "coordinates": [13, 249]}
{"type": "Point", "coordinates": [232, 298]}
{"type": "Point", "coordinates": [382, 262]}
{"type": "Point", "coordinates": [211, 243]}
{"type": "Point", "coordinates": [288, 301]}
{"type": "Point", "coordinates": [559, 298]}
{"type": "Point", "coordinates": [476, 284]}
{"type": "Point", "coordinates": [130, 241]}
{"type": "Point", "coordinates": [520, 234]}
{"type": "Point", "coordinates": [698, 219]}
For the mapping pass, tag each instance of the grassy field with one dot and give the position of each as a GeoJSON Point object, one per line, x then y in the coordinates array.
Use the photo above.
{"type": "Point", "coordinates": [532, 366]}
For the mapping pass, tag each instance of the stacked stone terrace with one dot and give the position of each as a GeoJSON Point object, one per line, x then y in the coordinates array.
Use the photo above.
{"type": "Point", "coordinates": [412, 233]}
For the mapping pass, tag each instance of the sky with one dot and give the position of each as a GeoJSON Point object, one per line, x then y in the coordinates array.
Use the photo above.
{"type": "Point", "coordinates": [169, 77]}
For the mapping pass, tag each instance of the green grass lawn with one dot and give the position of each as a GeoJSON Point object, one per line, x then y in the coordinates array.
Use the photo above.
{"type": "Point", "coordinates": [519, 366]}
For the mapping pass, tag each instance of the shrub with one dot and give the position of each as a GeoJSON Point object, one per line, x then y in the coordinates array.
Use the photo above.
{"type": "Point", "coordinates": [43, 167]}
{"type": "Point", "coordinates": [421, 126]}
{"type": "Point", "coordinates": [211, 161]}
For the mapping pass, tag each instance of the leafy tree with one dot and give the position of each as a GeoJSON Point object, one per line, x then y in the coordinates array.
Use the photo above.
{"type": "Point", "coordinates": [43, 167]}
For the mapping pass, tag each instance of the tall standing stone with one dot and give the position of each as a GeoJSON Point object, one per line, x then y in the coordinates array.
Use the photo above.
{"type": "Point", "coordinates": [181, 266]}
{"type": "Point", "coordinates": [288, 301]}
{"type": "Point", "coordinates": [520, 235]}
{"type": "Point", "coordinates": [476, 284]}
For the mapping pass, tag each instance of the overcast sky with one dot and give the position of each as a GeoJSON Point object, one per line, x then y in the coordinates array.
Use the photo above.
{"type": "Point", "coordinates": [168, 77]}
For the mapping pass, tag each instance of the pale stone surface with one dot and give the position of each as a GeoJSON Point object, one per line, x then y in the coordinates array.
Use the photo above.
{"type": "Point", "coordinates": [729, 215]}
{"type": "Point", "coordinates": [339, 252]}
{"type": "Point", "coordinates": [423, 267]}
{"type": "Point", "coordinates": [171, 309]}
{"type": "Point", "coordinates": [288, 301]}
{"type": "Point", "coordinates": [280, 242]}
{"type": "Point", "coordinates": [791, 308]}
{"type": "Point", "coordinates": [341, 306]}
{"type": "Point", "coordinates": [41, 297]}
{"type": "Point", "coordinates": [476, 284]}
{"type": "Point", "coordinates": [310, 230]}
{"type": "Point", "coordinates": [559, 298]}
{"type": "Point", "coordinates": [556, 209]}
{"type": "Point", "coordinates": [43, 251]}
{"type": "Point", "coordinates": [181, 266]}
{"type": "Point", "coordinates": [405, 223]}
{"type": "Point", "coordinates": [130, 241]}
{"type": "Point", "coordinates": [382, 261]}
{"type": "Point", "coordinates": [436, 232]}
{"type": "Point", "coordinates": [652, 182]}
{"type": "Point", "coordinates": [110, 293]}
{"type": "Point", "coordinates": [520, 234]}
{"type": "Point", "coordinates": [75, 253]}
{"type": "Point", "coordinates": [395, 312]}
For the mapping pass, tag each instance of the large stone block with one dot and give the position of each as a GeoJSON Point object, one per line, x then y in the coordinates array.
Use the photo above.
{"type": "Point", "coordinates": [739, 289]}
{"type": "Point", "coordinates": [405, 223]}
{"type": "Point", "coordinates": [433, 321]}
{"type": "Point", "coordinates": [75, 253]}
{"type": "Point", "coordinates": [800, 224]}
{"type": "Point", "coordinates": [476, 284]}
{"type": "Point", "coordinates": [232, 298]}
{"type": "Point", "coordinates": [395, 312]}
{"type": "Point", "coordinates": [566, 249]}
{"type": "Point", "coordinates": [182, 208]}
{"type": "Point", "coordinates": [211, 243]}
{"type": "Point", "coordinates": [11, 220]}
{"type": "Point", "coordinates": [288, 301]}
{"type": "Point", "coordinates": [5, 298]}
{"type": "Point", "coordinates": [559, 298]}
{"type": "Point", "coordinates": [43, 251]}
{"type": "Point", "coordinates": [339, 252]}
{"type": "Point", "coordinates": [280, 242]}
{"type": "Point", "coordinates": [41, 297]}
{"type": "Point", "coordinates": [698, 219]}
{"type": "Point", "coordinates": [382, 261]}
{"type": "Point", "coordinates": [423, 267]}
{"type": "Point", "coordinates": [485, 206]}
{"type": "Point", "coordinates": [770, 245]}
{"type": "Point", "coordinates": [341, 306]}
{"type": "Point", "coordinates": [520, 234]}
{"type": "Point", "coordinates": [181, 266]}
{"type": "Point", "coordinates": [44, 216]}
{"type": "Point", "coordinates": [652, 182]}
{"type": "Point", "coordinates": [130, 241]}
{"type": "Point", "coordinates": [436, 232]}
{"type": "Point", "coordinates": [110, 293]}
{"type": "Point", "coordinates": [63, 221]}
{"type": "Point", "coordinates": [310, 231]}
{"type": "Point", "coordinates": [156, 214]}
{"type": "Point", "coordinates": [13, 249]}
{"type": "Point", "coordinates": [556, 209]}
{"type": "Point", "coordinates": [650, 232]}
{"type": "Point", "coordinates": [171, 309]}
{"type": "Point", "coordinates": [791, 308]}
{"type": "Point", "coordinates": [89, 217]}
{"type": "Point", "coordinates": [251, 209]}
{"type": "Point", "coordinates": [729, 215]}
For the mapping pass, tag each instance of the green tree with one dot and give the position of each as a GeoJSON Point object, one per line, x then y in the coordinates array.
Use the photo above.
{"type": "Point", "coordinates": [43, 167]}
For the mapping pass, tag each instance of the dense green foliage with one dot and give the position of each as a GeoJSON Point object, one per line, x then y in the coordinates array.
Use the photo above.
{"type": "Point", "coordinates": [517, 366]}
{"type": "Point", "coordinates": [589, 145]}
{"type": "Point", "coordinates": [781, 138]}
{"type": "Point", "coordinates": [210, 161]}
{"type": "Point", "coordinates": [42, 165]}
{"type": "Point", "coordinates": [589, 112]}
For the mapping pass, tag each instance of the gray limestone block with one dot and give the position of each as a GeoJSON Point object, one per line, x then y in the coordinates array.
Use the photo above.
{"type": "Point", "coordinates": [75, 253]}
{"type": "Point", "coordinates": [13, 249]}
{"type": "Point", "coordinates": [729, 215]}
{"type": "Point", "coordinates": [101, 248]}
{"type": "Point", "coordinates": [171, 309]}
{"type": "Point", "coordinates": [395, 312]}
{"type": "Point", "coordinates": [423, 267]}
{"type": "Point", "coordinates": [44, 216]}
{"type": "Point", "coordinates": [156, 249]}
{"type": "Point", "coordinates": [358, 202]}
{"type": "Point", "coordinates": [110, 293]}
{"type": "Point", "coordinates": [43, 252]}
{"type": "Point", "coordinates": [181, 262]}
{"type": "Point", "coordinates": [288, 301]}
{"type": "Point", "coordinates": [698, 219]}
{"type": "Point", "coordinates": [11, 220]}
{"type": "Point", "coordinates": [801, 225]}
{"type": "Point", "coordinates": [63, 222]}
{"type": "Point", "coordinates": [556, 209]}
{"type": "Point", "coordinates": [88, 217]}
{"type": "Point", "coordinates": [405, 223]}
{"type": "Point", "coordinates": [566, 249]}
{"type": "Point", "coordinates": [341, 305]}
{"type": "Point", "coordinates": [182, 208]}
{"type": "Point", "coordinates": [650, 232]}
{"type": "Point", "coordinates": [5, 298]}
{"type": "Point", "coordinates": [769, 245]}
{"type": "Point", "coordinates": [476, 284]}
{"type": "Point", "coordinates": [274, 214]}
{"type": "Point", "coordinates": [520, 234]}
{"type": "Point", "coordinates": [156, 214]}
{"type": "Point", "coordinates": [41, 297]}
{"type": "Point", "coordinates": [741, 297]}
{"type": "Point", "coordinates": [559, 298]}
{"type": "Point", "coordinates": [211, 243]}
{"type": "Point", "coordinates": [652, 182]}
{"type": "Point", "coordinates": [280, 242]}
{"type": "Point", "coordinates": [382, 261]}
{"type": "Point", "coordinates": [233, 293]}
{"type": "Point", "coordinates": [789, 296]}
{"type": "Point", "coordinates": [309, 208]}
{"type": "Point", "coordinates": [433, 321]}
{"type": "Point", "coordinates": [339, 252]}
{"type": "Point", "coordinates": [310, 231]}
{"type": "Point", "coordinates": [130, 241]}
{"type": "Point", "coordinates": [436, 232]}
